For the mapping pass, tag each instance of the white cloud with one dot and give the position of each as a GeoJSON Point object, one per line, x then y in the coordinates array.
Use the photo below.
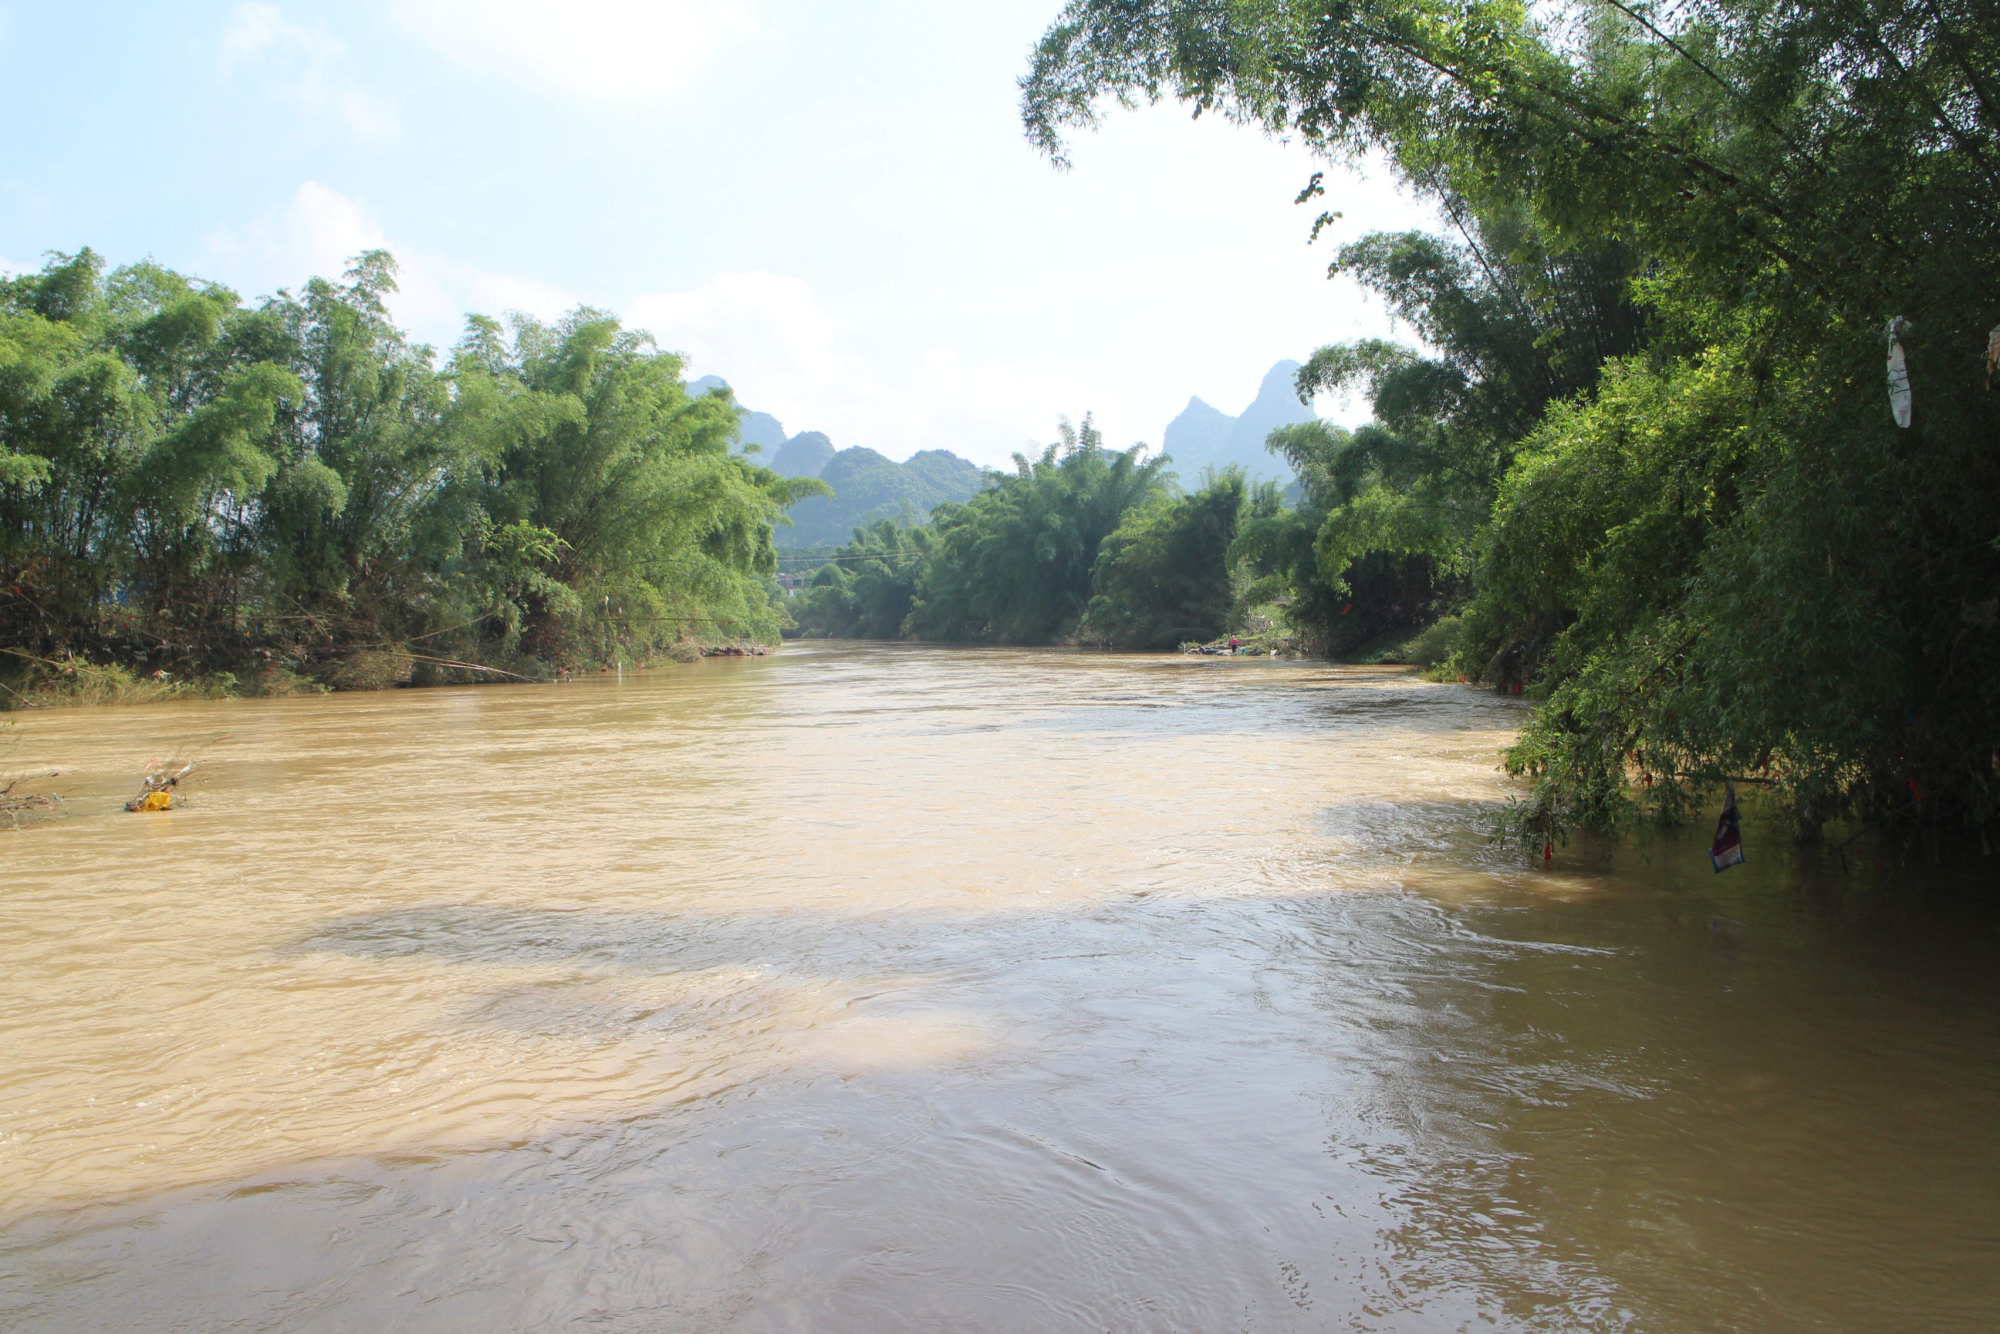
{"type": "Point", "coordinates": [315, 233]}
{"type": "Point", "coordinates": [767, 334]}
{"type": "Point", "coordinates": [257, 29]}
{"type": "Point", "coordinates": [622, 50]}
{"type": "Point", "coordinates": [984, 409]}
{"type": "Point", "coordinates": [298, 62]}
{"type": "Point", "coordinates": [320, 229]}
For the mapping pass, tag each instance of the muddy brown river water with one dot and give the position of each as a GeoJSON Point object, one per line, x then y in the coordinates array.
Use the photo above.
{"type": "Point", "coordinates": [875, 989]}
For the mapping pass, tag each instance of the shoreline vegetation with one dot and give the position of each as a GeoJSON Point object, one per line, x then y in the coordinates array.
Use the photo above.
{"type": "Point", "coordinates": [77, 682]}
{"type": "Point", "coordinates": [204, 496]}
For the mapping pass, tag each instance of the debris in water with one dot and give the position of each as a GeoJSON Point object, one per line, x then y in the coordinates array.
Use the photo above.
{"type": "Point", "coordinates": [157, 790]}
{"type": "Point", "coordinates": [19, 802]}
{"type": "Point", "coordinates": [1727, 849]}
{"type": "Point", "coordinates": [23, 799]}
{"type": "Point", "coordinates": [1263, 643]}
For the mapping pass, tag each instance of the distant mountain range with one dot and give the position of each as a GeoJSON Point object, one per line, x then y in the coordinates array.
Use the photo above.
{"type": "Point", "coordinates": [1205, 437]}
{"type": "Point", "coordinates": [867, 486]}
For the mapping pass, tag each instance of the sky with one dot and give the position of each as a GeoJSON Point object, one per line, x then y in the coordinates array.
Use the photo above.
{"type": "Point", "coordinates": [830, 205]}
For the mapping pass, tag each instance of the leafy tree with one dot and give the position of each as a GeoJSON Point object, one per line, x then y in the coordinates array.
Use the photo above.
{"type": "Point", "coordinates": [1358, 559]}
{"type": "Point", "coordinates": [1709, 545]}
{"type": "Point", "coordinates": [1508, 328]}
{"type": "Point", "coordinates": [1079, 543]}
{"type": "Point", "coordinates": [1014, 564]}
{"type": "Point", "coordinates": [654, 523]}
{"type": "Point", "coordinates": [131, 445]}
{"type": "Point", "coordinates": [188, 481]}
{"type": "Point", "coordinates": [867, 590]}
{"type": "Point", "coordinates": [1163, 576]}
{"type": "Point", "coordinates": [370, 497]}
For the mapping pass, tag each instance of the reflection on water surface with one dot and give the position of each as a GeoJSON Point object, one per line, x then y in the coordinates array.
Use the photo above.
{"type": "Point", "coordinates": [876, 989]}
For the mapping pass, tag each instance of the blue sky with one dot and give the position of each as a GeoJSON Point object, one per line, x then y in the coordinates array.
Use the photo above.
{"type": "Point", "coordinates": [830, 205]}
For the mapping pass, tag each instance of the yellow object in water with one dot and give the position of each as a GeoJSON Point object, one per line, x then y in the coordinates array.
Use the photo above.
{"type": "Point", "coordinates": [162, 800]}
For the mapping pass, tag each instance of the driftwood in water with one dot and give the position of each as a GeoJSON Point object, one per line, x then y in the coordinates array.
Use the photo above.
{"type": "Point", "coordinates": [19, 802]}
{"type": "Point", "coordinates": [456, 665]}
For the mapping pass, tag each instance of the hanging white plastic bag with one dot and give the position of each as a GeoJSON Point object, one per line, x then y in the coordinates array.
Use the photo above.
{"type": "Point", "coordinates": [1899, 373]}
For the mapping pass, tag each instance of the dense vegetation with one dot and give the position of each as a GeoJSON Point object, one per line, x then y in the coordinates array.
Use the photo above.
{"type": "Point", "coordinates": [1081, 543]}
{"type": "Point", "coordinates": [1649, 443]}
{"type": "Point", "coordinates": [293, 490]}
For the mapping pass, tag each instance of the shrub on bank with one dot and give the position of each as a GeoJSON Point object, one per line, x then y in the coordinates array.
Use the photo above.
{"type": "Point", "coordinates": [367, 669]}
{"type": "Point", "coordinates": [74, 681]}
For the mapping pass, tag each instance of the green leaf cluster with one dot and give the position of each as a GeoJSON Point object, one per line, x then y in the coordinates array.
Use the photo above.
{"type": "Point", "coordinates": [1078, 544]}
{"type": "Point", "coordinates": [194, 483]}
{"type": "Point", "coordinates": [1014, 564]}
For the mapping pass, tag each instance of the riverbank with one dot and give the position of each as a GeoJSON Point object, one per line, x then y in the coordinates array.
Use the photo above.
{"type": "Point", "coordinates": [46, 683]}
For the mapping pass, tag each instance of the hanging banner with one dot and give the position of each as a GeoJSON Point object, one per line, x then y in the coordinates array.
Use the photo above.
{"type": "Point", "coordinates": [1899, 373]}
{"type": "Point", "coordinates": [1727, 849]}
{"type": "Point", "coordinates": [1992, 355]}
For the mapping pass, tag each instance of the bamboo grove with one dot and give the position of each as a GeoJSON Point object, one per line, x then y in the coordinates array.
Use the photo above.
{"type": "Point", "coordinates": [293, 492]}
{"type": "Point", "coordinates": [1079, 544]}
{"type": "Point", "coordinates": [1086, 545]}
{"type": "Point", "coordinates": [1651, 434]}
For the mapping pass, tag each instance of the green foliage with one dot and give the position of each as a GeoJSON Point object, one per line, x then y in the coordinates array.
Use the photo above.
{"type": "Point", "coordinates": [867, 589]}
{"type": "Point", "coordinates": [1340, 562]}
{"type": "Point", "coordinates": [638, 520]}
{"type": "Point", "coordinates": [1014, 564]}
{"type": "Point", "coordinates": [1432, 648]}
{"type": "Point", "coordinates": [368, 669]}
{"type": "Point", "coordinates": [191, 483]}
{"type": "Point", "coordinates": [1163, 576]}
{"type": "Point", "coordinates": [1080, 542]}
{"type": "Point", "coordinates": [1649, 425]}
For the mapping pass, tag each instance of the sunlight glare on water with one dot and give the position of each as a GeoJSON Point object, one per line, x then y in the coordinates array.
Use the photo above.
{"type": "Point", "coordinates": [868, 988]}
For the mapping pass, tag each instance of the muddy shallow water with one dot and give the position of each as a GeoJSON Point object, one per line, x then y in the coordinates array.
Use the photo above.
{"type": "Point", "coordinates": [866, 988]}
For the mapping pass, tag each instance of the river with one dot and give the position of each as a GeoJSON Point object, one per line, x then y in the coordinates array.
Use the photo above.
{"type": "Point", "coordinates": [880, 988]}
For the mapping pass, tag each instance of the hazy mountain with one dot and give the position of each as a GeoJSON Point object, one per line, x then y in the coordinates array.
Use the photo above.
{"type": "Point", "coordinates": [1277, 404]}
{"type": "Point", "coordinates": [1204, 437]}
{"type": "Point", "coordinates": [868, 486]}
{"type": "Point", "coordinates": [955, 478]}
{"type": "Point", "coordinates": [804, 455]}
{"type": "Point", "coordinates": [758, 428]}
{"type": "Point", "coordinates": [1199, 432]}
{"type": "Point", "coordinates": [762, 429]}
